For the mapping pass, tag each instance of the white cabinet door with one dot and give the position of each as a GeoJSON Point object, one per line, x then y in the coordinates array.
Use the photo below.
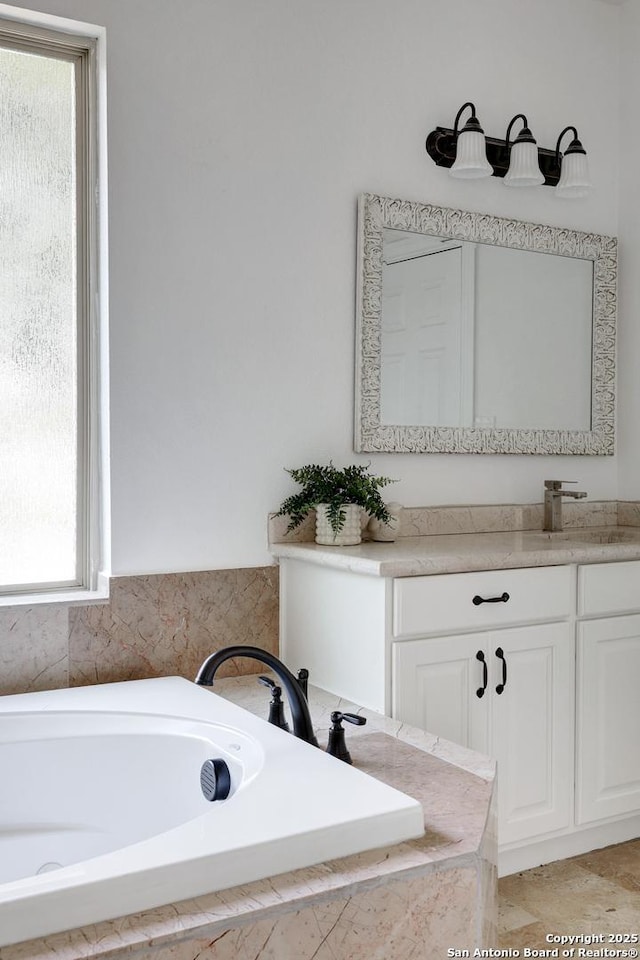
{"type": "Point", "coordinates": [524, 718]}
{"type": "Point", "coordinates": [533, 729]}
{"type": "Point", "coordinates": [608, 742]}
{"type": "Point", "coordinates": [442, 686]}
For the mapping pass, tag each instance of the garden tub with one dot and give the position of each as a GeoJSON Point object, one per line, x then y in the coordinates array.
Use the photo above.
{"type": "Point", "coordinates": [120, 797]}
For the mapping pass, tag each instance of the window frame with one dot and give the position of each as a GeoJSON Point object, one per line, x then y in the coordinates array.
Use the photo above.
{"type": "Point", "coordinates": [83, 45]}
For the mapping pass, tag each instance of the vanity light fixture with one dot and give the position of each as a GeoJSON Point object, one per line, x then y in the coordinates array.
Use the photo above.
{"type": "Point", "coordinates": [574, 177]}
{"type": "Point", "coordinates": [522, 163]}
{"type": "Point", "coordinates": [471, 148]}
{"type": "Point", "coordinates": [524, 169]}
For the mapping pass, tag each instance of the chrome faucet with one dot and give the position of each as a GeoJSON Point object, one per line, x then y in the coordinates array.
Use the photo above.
{"type": "Point", "coordinates": [302, 725]}
{"type": "Point", "coordinates": [553, 494]}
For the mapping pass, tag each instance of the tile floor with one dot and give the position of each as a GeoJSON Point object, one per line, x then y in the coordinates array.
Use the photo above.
{"type": "Point", "coordinates": [597, 892]}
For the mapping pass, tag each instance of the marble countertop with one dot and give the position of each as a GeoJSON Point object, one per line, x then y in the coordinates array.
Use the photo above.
{"type": "Point", "coordinates": [457, 553]}
{"type": "Point", "coordinates": [454, 785]}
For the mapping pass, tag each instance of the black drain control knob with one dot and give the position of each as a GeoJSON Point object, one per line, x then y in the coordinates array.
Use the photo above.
{"type": "Point", "coordinates": [215, 780]}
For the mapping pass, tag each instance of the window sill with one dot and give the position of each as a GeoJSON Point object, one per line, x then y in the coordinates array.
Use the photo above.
{"type": "Point", "coordinates": [75, 597]}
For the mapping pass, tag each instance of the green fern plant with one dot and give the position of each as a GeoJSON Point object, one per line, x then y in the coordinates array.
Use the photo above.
{"type": "Point", "coordinates": [335, 487]}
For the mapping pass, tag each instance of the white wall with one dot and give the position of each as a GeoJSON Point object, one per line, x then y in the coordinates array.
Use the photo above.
{"type": "Point", "coordinates": [241, 133]}
{"type": "Point", "coordinates": [629, 256]}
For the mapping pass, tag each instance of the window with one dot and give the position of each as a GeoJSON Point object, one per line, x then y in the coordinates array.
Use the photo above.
{"type": "Point", "coordinates": [50, 318]}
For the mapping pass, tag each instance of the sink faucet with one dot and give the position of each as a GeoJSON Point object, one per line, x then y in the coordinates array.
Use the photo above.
{"type": "Point", "coordinates": [302, 725]}
{"type": "Point", "coordinates": [553, 494]}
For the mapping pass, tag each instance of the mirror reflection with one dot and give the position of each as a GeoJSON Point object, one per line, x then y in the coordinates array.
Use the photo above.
{"type": "Point", "coordinates": [483, 336]}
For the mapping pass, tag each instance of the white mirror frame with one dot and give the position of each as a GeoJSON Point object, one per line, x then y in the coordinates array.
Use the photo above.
{"type": "Point", "coordinates": [374, 214]}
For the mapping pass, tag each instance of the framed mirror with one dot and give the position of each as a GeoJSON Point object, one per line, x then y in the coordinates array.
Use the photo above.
{"type": "Point", "coordinates": [477, 334]}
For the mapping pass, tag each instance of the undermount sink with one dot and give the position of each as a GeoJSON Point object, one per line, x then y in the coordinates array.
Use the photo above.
{"type": "Point", "coordinates": [596, 535]}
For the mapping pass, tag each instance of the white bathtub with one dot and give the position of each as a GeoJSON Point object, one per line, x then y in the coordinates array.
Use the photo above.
{"type": "Point", "coordinates": [102, 813]}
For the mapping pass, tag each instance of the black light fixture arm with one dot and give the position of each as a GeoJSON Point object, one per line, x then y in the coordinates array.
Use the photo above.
{"type": "Point", "coordinates": [574, 147]}
{"type": "Point", "coordinates": [525, 133]}
{"type": "Point", "coordinates": [473, 116]}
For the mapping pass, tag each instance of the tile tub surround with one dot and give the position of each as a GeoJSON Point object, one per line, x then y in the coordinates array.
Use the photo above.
{"type": "Point", "coordinates": [405, 902]}
{"type": "Point", "coordinates": [156, 625]}
{"type": "Point", "coordinates": [34, 648]}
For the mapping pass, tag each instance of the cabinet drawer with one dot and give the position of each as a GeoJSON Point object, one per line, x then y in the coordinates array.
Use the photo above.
{"type": "Point", "coordinates": [445, 604]}
{"type": "Point", "coordinates": [605, 588]}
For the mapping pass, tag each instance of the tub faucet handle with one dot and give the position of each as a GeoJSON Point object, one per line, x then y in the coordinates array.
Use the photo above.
{"type": "Point", "coordinates": [337, 745]}
{"type": "Point", "coordinates": [276, 706]}
{"type": "Point", "coordinates": [303, 680]}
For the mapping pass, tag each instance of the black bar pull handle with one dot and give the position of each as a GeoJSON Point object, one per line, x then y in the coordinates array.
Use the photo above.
{"type": "Point", "coordinates": [485, 674]}
{"type": "Point", "coordinates": [501, 599]}
{"type": "Point", "coordinates": [500, 655]}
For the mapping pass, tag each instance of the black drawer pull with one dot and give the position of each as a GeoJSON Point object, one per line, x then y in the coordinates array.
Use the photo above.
{"type": "Point", "coordinates": [485, 674]}
{"type": "Point", "coordinates": [500, 655]}
{"type": "Point", "coordinates": [478, 600]}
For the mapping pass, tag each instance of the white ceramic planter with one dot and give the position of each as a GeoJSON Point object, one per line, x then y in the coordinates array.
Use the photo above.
{"type": "Point", "coordinates": [350, 533]}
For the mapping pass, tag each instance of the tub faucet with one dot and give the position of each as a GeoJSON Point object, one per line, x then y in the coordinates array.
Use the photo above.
{"type": "Point", "coordinates": [553, 494]}
{"type": "Point", "coordinates": [302, 725]}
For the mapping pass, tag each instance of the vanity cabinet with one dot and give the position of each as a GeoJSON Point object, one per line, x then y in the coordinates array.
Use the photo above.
{"type": "Point", "coordinates": [431, 651]}
{"type": "Point", "coordinates": [504, 693]}
{"type": "Point", "coordinates": [501, 690]}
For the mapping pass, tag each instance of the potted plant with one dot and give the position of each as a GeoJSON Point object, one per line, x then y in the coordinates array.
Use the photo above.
{"type": "Point", "coordinates": [338, 495]}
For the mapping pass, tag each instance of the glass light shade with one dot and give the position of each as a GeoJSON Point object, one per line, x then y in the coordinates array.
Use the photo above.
{"type": "Point", "coordinates": [471, 156]}
{"type": "Point", "coordinates": [574, 176]}
{"type": "Point", "coordinates": [524, 169]}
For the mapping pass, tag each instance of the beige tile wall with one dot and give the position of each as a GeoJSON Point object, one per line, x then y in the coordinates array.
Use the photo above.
{"type": "Point", "coordinates": [160, 625]}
